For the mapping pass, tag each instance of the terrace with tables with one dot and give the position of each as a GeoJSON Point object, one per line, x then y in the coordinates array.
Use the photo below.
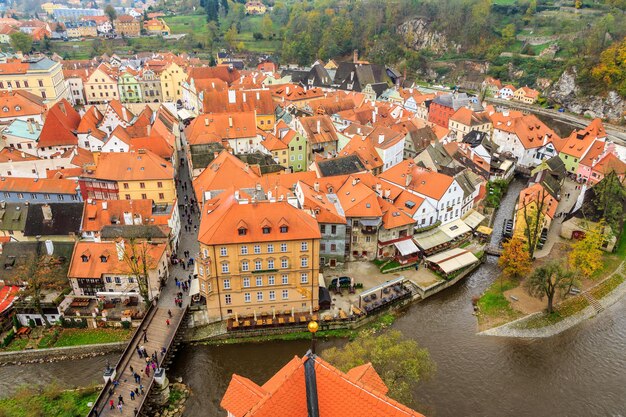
{"type": "Point", "coordinates": [385, 294]}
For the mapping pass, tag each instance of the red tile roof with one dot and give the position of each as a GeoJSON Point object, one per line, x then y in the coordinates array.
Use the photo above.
{"type": "Point", "coordinates": [132, 166]}
{"type": "Point", "coordinates": [41, 185]}
{"type": "Point", "coordinates": [339, 394]}
{"type": "Point", "coordinates": [19, 103]}
{"type": "Point", "coordinates": [223, 72]}
{"type": "Point", "coordinates": [59, 127]}
{"type": "Point", "coordinates": [416, 178]}
{"type": "Point", "coordinates": [210, 128]}
{"type": "Point", "coordinates": [231, 101]}
{"type": "Point", "coordinates": [220, 223]}
{"type": "Point", "coordinates": [224, 172]}
{"type": "Point", "coordinates": [533, 194]}
{"type": "Point", "coordinates": [319, 129]}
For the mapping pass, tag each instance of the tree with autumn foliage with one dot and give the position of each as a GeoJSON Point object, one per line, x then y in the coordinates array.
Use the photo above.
{"type": "Point", "coordinates": [611, 69]}
{"type": "Point", "coordinates": [515, 260]}
{"type": "Point", "coordinates": [586, 255]}
{"type": "Point", "coordinates": [549, 279]}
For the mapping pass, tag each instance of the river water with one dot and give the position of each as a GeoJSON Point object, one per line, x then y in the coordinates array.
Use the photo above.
{"type": "Point", "coordinates": [581, 372]}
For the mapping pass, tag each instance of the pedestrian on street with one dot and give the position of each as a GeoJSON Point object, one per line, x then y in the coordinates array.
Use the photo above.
{"type": "Point", "coordinates": [119, 407]}
{"type": "Point", "coordinates": [120, 399]}
{"type": "Point", "coordinates": [136, 412]}
{"type": "Point", "coordinates": [167, 321]}
{"type": "Point", "coordinates": [163, 350]}
{"type": "Point", "coordinates": [141, 389]}
{"type": "Point", "coordinates": [112, 405]}
{"type": "Point", "coordinates": [132, 371]}
{"type": "Point", "coordinates": [169, 313]}
{"type": "Point", "coordinates": [132, 395]}
{"type": "Point", "coordinates": [137, 391]}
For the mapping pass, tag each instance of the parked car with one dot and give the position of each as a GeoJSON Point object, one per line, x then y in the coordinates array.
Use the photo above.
{"type": "Point", "coordinates": [343, 282]}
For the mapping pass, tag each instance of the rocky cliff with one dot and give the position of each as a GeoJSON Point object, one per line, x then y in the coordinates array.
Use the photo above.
{"type": "Point", "coordinates": [418, 35]}
{"type": "Point", "coordinates": [566, 93]}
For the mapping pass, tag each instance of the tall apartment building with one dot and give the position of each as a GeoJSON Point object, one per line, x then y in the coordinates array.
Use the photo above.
{"type": "Point", "coordinates": [257, 257]}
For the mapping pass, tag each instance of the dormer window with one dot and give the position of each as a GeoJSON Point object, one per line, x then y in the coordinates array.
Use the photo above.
{"type": "Point", "coordinates": [85, 258]}
{"type": "Point", "coordinates": [242, 231]}
{"type": "Point", "coordinates": [103, 259]}
{"type": "Point", "coordinates": [284, 229]}
{"type": "Point", "coordinates": [266, 230]}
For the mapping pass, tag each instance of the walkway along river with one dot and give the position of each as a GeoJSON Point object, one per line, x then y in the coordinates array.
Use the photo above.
{"type": "Point", "coordinates": [581, 372]}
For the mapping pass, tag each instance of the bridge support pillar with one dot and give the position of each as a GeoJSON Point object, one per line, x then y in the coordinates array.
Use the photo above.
{"type": "Point", "coordinates": [161, 387]}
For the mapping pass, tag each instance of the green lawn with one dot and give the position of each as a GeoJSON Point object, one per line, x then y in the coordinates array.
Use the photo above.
{"type": "Point", "coordinates": [565, 309]}
{"type": "Point", "coordinates": [601, 290]}
{"type": "Point", "coordinates": [494, 307]}
{"type": "Point", "coordinates": [75, 337]}
{"type": "Point", "coordinates": [49, 402]}
{"type": "Point", "coordinates": [187, 24]}
{"type": "Point", "coordinates": [16, 344]}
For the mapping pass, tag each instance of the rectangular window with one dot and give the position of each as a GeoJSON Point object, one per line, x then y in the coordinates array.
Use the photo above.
{"type": "Point", "coordinates": [258, 265]}
{"type": "Point", "coordinates": [225, 268]}
{"type": "Point", "coordinates": [161, 196]}
{"type": "Point", "coordinates": [285, 279]}
{"type": "Point", "coordinates": [304, 246]}
{"type": "Point", "coordinates": [257, 249]}
{"type": "Point", "coordinates": [108, 280]}
{"type": "Point", "coordinates": [223, 251]}
{"type": "Point", "coordinates": [246, 282]}
{"type": "Point", "coordinates": [227, 284]}
{"type": "Point", "coordinates": [333, 230]}
{"type": "Point", "coordinates": [118, 280]}
{"type": "Point", "coordinates": [259, 281]}
{"type": "Point", "coordinates": [284, 263]}
{"type": "Point", "coordinates": [270, 280]}
{"type": "Point", "coordinates": [244, 250]}
{"type": "Point", "coordinates": [304, 262]}
{"type": "Point", "coordinates": [159, 184]}
{"type": "Point", "coordinates": [246, 297]}
{"type": "Point", "coordinates": [245, 266]}
{"type": "Point", "coordinates": [333, 247]}
{"type": "Point", "coordinates": [304, 278]}
{"type": "Point", "coordinates": [259, 296]}
{"type": "Point", "coordinates": [272, 295]}
{"type": "Point", "coordinates": [285, 294]}
{"type": "Point", "coordinates": [283, 247]}
{"type": "Point", "coordinates": [228, 299]}
{"type": "Point", "coordinates": [270, 248]}
{"type": "Point", "coordinates": [270, 264]}
{"type": "Point", "coordinates": [144, 196]}
{"type": "Point", "coordinates": [142, 185]}
{"type": "Point", "coordinates": [322, 228]}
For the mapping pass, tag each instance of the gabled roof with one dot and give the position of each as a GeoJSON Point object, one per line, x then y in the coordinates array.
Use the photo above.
{"type": "Point", "coordinates": [59, 127]}
{"type": "Point", "coordinates": [532, 132]}
{"type": "Point", "coordinates": [224, 172]}
{"type": "Point", "coordinates": [319, 129]}
{"type": "Point", "coordinates": [393, 216]}
{"type": "Point", "coordinates": [38, 185]}
{"type": "Point", "coordinates": [468, 117]}
{"type": "Point", "coordinates": [608, 163]}
{"type": "Point", "coordinates": [341, 165]}
{"type": "Point", "coordinates": [365, 150]}
{"type": "Point", "coordinates": [230, 101]}
{"type": "Point", "coordinates": [223, 72]}
{"type": "Point", "coordinates": [208, 128]}
{"type": "Point", "coordinates": [358, 393]}
{"type": "Point", "coordinates": [384, 138]}
{"type": "Point", "coordinates": [66, 219]}
{"type": "Point", "coordinates": [19, 103]}
{"type": "Point", "coordinates": [154, 143]}
{"type": "Point", "coordinates": [533, 194]}
{"type": "Point", "coordinates": [324, 207]}
{"type": "Point", "coordinates": [99, 214]}
{"type": "Point", "coordinates": [418, 179]}
{"type": "Point", "coordinates": [219, 224]}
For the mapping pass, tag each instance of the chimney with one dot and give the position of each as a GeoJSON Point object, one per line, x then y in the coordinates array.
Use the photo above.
{"type": "Point", "coordinates": [206, 121]}
{"type": "Point", "coordinates": [381, 138]}
{"type": "Point", "coordinates": [232, 96]}
{"type": "Point", "coordinates": [505, 113]}
{"type": "Point", "coordinates": [230, 121]}
{"type": "Point", "coordinates": [119, 246]}
{"type": "Point", "coordinates": [409, 178]}
{"type": "Point", "coordinates": [258, 95]}
{"type": "Point", "coordinates": [358, 130]}
{"type": "Point", "coordinates": [128, 218]}
{"type": "Point", "coordinates": [37, 126]}
{"type": "Point", "coordinates": [29, 125]}
{"type": "Point", "coordinates": [319, 126]}
{"type": "Point", "coordinates": [47, 213]}
{"type": "Point", "coordinates": [373, 117]}
{"type": "Point", "coordinates": [355, 56]}
{"type": "Point", "coordinates": [316, 186]}
{"type": "Point", "coordinates": [387, 193]}
{"type": "Point", "coordinates": [237, 195]}
{"type": "Point", "coordinates": [105, 205]}
{"type": "Point", "coordinates": [244, 97]}
{"type": "Point", "coordinates": [148, 129]}
{"type": "Point", "coordinates": [49, 247]}
{"type": "Point", "coordinates": [124, 115]}
{"type": "Point", "coordinates": [215, 154]}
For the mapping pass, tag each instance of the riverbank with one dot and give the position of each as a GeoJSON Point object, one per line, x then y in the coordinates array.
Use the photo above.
{"type": "Point", "coordinates": [59, 354]}
{"type": "Point", "coordinates": [540, 325]}
{"type": "Point", "coordinates": [49, 401]}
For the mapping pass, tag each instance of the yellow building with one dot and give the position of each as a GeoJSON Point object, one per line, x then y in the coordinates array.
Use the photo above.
{"type": "Point", "coordinates": [157, 27]}
{"type": "Point", "coordinates": [172, 78]}
{"type": "Point", "coordinates": [257, 258]}
{"type": "Point", "coordinates": [531, 199]}
{"type": "Point", "coordinates": [49, 7]}
{"type": "Point", "coordinates": [130, 175]}
{"type": "Point", "coordinates": [255, 7]}
{"type": "Point", "coordinates": [126, 25]}
{"type": "Point", "coordinates": [38, 75]}
{"type": "Point", "coordinates": [101, 85]}
{"type": "Point", "coordinates": [81, 29]}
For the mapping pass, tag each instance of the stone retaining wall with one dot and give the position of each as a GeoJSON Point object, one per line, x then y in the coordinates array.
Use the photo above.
{"type": "Point", "coordinates": [59, 354]}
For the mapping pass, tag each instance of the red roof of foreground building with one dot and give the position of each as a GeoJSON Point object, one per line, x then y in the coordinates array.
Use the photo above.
{"type": "Point", "coordinates": [7, 295]}
{"type": "Point", "coordinates": [360, 392]}
{"type": "Point", "coordinates": [59, 127]}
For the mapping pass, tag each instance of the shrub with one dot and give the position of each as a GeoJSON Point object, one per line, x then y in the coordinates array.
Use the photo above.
{"type": "Point", "coordinates": [126, 325]}
{"type": "Point", "coordinates": [8, 338]}
{"type": "Point", "coordinates": [257, 36]}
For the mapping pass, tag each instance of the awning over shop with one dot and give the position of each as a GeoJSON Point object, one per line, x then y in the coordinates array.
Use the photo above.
{"type": "Point", "coordinates": [370, 222]}
{"type": "Point", "coordinates": [455, 229]}
{"type": "Point", "coordinates": [473, 218]}
{"type": "Point", "coordinates": [484, 230]}
{"type": "Point", "coordinates": [430, 239]}
{"type": "Point", "coordinates": [185, 114]}
{"type": "Point", "coordinates": [406, 247]}
{"type": "Point", "coordinates": [453, 259]}
{"type": "Point", "coordinates": [194, 288]}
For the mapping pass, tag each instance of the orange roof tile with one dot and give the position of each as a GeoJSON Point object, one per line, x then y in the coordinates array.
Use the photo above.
{"type": "Point", "coordinates": [20, 103]}
{"type": "Point", "coordinates": [339, 394]}
{"type": "Point", "coordinates": [95, 268]}
{"type": "Point", "coordinates": [38, 185]}
{"type": "Point", "coordinates": [132, 166]}
{"type": "Point", "coordinates": [610, 163]}
{"type": "Point", "coordinates": [416, 178]}
{"type": "Point", "coordinates": [232, 101]}
{"type": "Point", "coordinates": [365, 150]}
{"type": "Point", "coordinates": [223, 72]}
{"type": "Point", "coordinates": [469, 117]}
{"type": "Point", "coordinates": [209, 128]}
{"type": "Point", "coordinates": [531, 132]}
{"type": "Point", "coordinates": [318, 204]}
{"type": "Point", "coordinates": [319, 129]}
{"type": "Point", "coordinates": [155, 143]}
{"type": "Point", "coordinates": [368, 376]}
{"type": "Point", "coordinates": [221, 223]}
{"type": "Point", "coordinates": [533, 194]}
{"type": "Point", "coordinates": [96, 216]}
{"type": "Point", "coordinates": [59, 127]}
{"type": "Point", "coordinates": [224, 172]}
{"type": "Point", "coordinates": [14, 155]}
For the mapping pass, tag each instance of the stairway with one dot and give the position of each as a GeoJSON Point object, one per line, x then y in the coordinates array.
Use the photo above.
{"type": "Point", "coordinates": [594, 303]}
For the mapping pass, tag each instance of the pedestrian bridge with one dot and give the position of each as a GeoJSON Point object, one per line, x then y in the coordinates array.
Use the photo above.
{"type": "Point", "coordinates": [158, 335]}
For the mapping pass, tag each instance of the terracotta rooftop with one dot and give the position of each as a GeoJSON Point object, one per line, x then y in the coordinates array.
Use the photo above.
{"type": "Point", "coordinates": [38, 185]}
{"type": "Point", "coordinates": [132, 166]}
{"type": "Point", "coordinates": [353, 394]}
{"type": "Point", "coordinates": [19, 103]}
{"type": "Point", "coordinates": [423, 181]}
{"type": "Point", "coordinates": [59, 127]}
{"type": "Point", "coordinates": [208, 128]}
{"type": "Point", "coordinates": [230, 101]}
